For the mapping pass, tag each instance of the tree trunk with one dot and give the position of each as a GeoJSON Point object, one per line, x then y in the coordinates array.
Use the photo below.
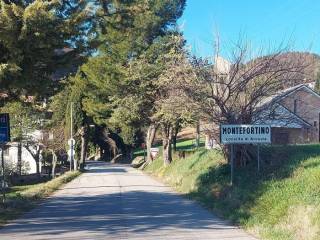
{"type": "Point", "coordinates": [84, 146]}
{"type": "Point", "coordinates": [101, 153]}
{"type": "Point", "coordinates": [166, 142]}
{"type": "Point", "coordinates": [38, 166]}
{"type": "Point", "coordinates": [198, 134]}
{"type": "Point", "coordinates": [54, 164]}
{"type": "Point", "coordinates": [19, 158]}
{"type": "Point", "coordinates": [36, 157]}
{"type": "Point", "coordinates": [149, 140]}
{"type": "Point", "coordinates": [174, 138]}
{"type": "Point", "coordinates": [129, 153]}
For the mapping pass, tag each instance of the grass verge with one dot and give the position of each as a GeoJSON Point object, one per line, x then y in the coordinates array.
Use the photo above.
{"type": "Point", "coordinates": [23, 198]}
{"type": "Point", "coordinates": [282, 202]}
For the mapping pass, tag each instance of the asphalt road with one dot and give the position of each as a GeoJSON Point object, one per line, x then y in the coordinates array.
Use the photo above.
{"type": "Point", "coordinates": [118, 202]}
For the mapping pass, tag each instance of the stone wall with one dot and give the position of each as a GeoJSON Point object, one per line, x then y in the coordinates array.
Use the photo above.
{"type": "Point", "coordinates": [306, 105]}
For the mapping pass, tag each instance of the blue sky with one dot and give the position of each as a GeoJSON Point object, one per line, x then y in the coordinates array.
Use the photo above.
{"type": "Point", "coordinates": [263, 23]}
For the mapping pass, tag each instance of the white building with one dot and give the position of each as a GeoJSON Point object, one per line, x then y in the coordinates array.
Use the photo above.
{"type": "Point", "coordinates": [28, 163]}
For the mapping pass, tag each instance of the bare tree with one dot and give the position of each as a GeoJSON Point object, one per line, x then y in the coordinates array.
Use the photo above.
{"type": "Point", "coordinates": [54, 141]}
{"type": "Point", "coordinates": [35, 149]}
{"type": "Point", "coordinates": [235, 91]}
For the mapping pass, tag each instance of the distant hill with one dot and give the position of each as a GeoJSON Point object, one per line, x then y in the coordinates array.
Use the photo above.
{"type": "Point", "coordinates": [311, 62]}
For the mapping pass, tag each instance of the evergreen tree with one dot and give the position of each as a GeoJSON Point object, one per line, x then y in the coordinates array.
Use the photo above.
{"type": "Point", "coordinates": [172, 106]}
{"type": "Point", "coordinates": [71, 96]}
{"type": "Point", "coordinates": [130, 32]}
{"type": "Point", "coordinates": [31, 35]}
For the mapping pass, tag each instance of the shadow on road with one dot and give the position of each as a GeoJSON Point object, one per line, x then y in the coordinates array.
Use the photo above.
{"type": "Point", "coordinates": [113, 170]}
{"type": "Point", "coordinates": [115, 205]}
{"type": "Point", "coordinates": [112, 186]}
{"type": "Point", "coordinates": [132, 211]}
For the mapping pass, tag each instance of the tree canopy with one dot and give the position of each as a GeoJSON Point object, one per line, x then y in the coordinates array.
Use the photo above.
{"type": "Point", "coordinates": [130, 32]}
{"type": "Point", "coordinates": [33, 37]}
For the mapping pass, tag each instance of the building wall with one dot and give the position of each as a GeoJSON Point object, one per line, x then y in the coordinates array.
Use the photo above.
{"type": "Point", "coordinates": [28, 163]}
{"type": "Point", "coordinates": [307, 106]}
{"type": "Point", "coordinates": [290, 136]}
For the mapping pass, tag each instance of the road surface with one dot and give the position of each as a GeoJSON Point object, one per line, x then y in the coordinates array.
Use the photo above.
{"type": "Point", "coordinates": [118, 202]}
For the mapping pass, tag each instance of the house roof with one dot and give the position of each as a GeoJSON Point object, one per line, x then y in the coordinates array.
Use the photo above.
{"type": "Point", "coordinates": [285, 93]}
{"type": "Point", "coordinates": [282, 117]}
{"type": "Point", "coordinates": [288, 119]}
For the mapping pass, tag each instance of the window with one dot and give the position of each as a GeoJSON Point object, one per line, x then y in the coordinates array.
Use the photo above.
{"type": "Point", "coordinates": [295, 104]}
{"type": "Point", "coordinates": [315, 123]}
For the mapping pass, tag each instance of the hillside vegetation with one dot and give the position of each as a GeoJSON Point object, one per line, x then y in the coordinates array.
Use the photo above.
{"type": "Point", "coordinates": [283, 202]}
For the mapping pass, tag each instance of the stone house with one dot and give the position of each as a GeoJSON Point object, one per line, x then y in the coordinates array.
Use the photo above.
{"type": "Point", "coordinates": [297, 115]}
{"type": "Point", "coordinates": [294, 116]}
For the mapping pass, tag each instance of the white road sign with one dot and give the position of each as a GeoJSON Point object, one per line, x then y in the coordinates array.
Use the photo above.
{"type": "Point", "coordinates": [244, 134]}
{"type": "Point", "coordinates": [71, 140]}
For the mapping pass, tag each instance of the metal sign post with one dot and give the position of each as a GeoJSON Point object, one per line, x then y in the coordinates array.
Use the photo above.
{"type": "Point", "coordinates": [258, 158]}
{"type": "Point", "coordinates": [232, 164]}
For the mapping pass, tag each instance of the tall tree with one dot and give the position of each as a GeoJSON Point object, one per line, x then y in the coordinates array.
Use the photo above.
{"type": "Point", "coordinates": [71, 96]}
{"type": "Point", "coordinates": [127, 30]}
{"type": "Point", "coordinates": [173, 106]}
{"type": "Point", "coordinates": [33, 34]}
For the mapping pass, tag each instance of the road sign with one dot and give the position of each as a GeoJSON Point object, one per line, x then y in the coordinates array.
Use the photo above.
{"type": "Point", "coordinates": [71, 141]}
{"type": "Point", "coordinates": [245, 134]}
{"type": "Point", "coordinates": [4, 128]}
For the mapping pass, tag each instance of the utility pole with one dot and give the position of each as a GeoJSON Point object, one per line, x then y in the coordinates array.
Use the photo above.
{"type": "Point", "coordinates": [232, 165]}
{"type": "Point", "coordinates": [258, 148]}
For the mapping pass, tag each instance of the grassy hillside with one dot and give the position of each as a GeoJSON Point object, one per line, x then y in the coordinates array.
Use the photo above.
{"type": "Point", "coordinates": [283, 202]}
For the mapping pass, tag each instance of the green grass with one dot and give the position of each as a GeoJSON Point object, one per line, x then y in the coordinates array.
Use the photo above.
{"type": "Point", "coordinates": [23, 198]}
{"type": "Point", "coordinates": [188, 145]}
{"type": "Point", "coordinates": [282, 202]}
{"type": "Point", "coordinates": [182, 145]}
